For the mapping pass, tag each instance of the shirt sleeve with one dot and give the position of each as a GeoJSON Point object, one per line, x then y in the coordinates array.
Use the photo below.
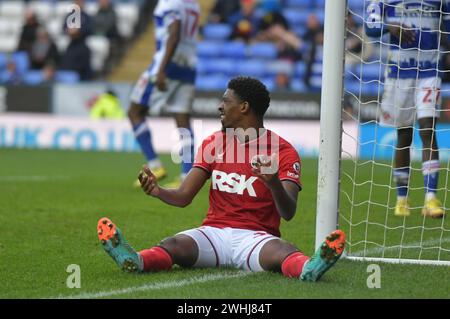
{"type": "Point", "coordinates": [205, 155]}
{"type": "Point", "coordinates": [290, 167]}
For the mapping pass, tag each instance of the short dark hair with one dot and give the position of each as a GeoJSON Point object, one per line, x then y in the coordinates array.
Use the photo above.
{"type": "Point", "coordinates": [253, 91]}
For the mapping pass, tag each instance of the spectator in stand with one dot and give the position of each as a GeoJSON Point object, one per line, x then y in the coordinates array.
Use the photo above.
{"type": "Point", "coordinates": [49, 73]}
{"type": "Point", "coordinates": [77, 56]}
{"type": "Point", "coordinates": [282, 82]}
{"type": "Point", "coordinates": [105, 21]}
{"type": "Point", "coordinates": [43, 50]}
{"type": "Point", "coordinates": [244, 22]}
{"type": "Point", "coordinates": [358, 48]}
{"type": "Point", "coordinates": [314, 40]}
{"type": "Point", "coordinates": [224, 9]}
{"type": "Point", "coordinates": [11, 75]}
{"type": "Point", "coordinates": [29, 31]}
{"type": "Point", "coordinates": [86, 21]}
{"type": "Point", "coordinates": [275, 28]}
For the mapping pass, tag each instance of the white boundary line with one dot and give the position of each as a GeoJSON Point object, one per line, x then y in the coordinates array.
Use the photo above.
{"type": "Point", "coordinates": [413, 245]}
{"type": "Point", "coordinates": [155, 286]}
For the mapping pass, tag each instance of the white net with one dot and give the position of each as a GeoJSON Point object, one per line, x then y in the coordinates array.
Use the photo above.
{"type": "Point", "coordinates": [396, 56]}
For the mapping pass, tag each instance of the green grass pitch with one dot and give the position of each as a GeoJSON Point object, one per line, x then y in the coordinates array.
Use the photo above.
{"type": "Point", "coordinates": [50, 202]}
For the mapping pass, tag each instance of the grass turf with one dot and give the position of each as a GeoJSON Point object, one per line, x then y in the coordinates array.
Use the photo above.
{"type": "Point", "coordinates": [51, 201]}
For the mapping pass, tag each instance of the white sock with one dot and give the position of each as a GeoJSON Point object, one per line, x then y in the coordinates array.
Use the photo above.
{"type": "Point", "coordinates": [154, 163]}
{"type": "Point", "coordinates": [430, 195]}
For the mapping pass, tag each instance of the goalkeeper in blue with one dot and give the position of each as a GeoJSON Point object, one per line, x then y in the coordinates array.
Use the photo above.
{"type": "Point", "coordinates": [412, 87]}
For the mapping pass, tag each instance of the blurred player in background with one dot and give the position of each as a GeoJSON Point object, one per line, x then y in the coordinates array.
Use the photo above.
{"type": "Point", "coordinates": [255, 181]}
{"type": "Point", "coordinates": [412, 87]}
{"type": "Point", "coordinates": [169, 81]}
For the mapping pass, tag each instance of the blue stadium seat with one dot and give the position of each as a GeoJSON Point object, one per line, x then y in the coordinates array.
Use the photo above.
{"type": "Point", "coordinates": [300, 3]}
{"type": "Point", "coordinates": [255, 68]}
{"type": "Point", "coordinates": [209, 49]}
{"type": "Point", "coordinates": [356, 5]}
{"type": "Point", "coordinates": [3, 61]}
{"type": "Point", "coordinates": [269, 82]}
{"type": "Point", "coordinates": [211, 83]}
{"type": "Point", "coordinates": [321, 3]}
{"type": "Point", "coordinates": [221, 66]}
{"type": "Point", "coordinates": [22, 61]}
{"type": "Point", "coordinates": [68, 77]}
{"type": "Point", "coordinates": [33, 77]}
{"type": "Point", "coordinates": [296, 17]}
{"type": "Point", "coordinates": [368, 72]}
{"type": "Point", "coordinates": [217, 31]}
{"type": "Point", "coordinates": [300, 69]}
{"type": "Point", "coordinates": [298, 85]}
{"type": "Point", "coordinates": [262, 50]}
{"type": "Point", "coordinates": [234, 49]}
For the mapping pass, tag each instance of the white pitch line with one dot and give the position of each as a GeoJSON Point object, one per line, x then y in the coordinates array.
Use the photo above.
{"type": "Point", "coordinates": [416, 245]}
{"type": "Point", "coordinates": [32, 178]}
{"type": "Point", "coordinates": [156, 286]}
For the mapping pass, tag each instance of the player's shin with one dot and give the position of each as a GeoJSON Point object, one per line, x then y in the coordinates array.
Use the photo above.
{"type": "Point", "coordinates": [292, 265]}
{"type": "Point", "coordinates": [430, 170]}
{"type": "Point", "coordinates": [401, 177]}
{"type": "Point", "coordinates": [156, 259]}
{"type": "Point", "coordinates": [144, 139]}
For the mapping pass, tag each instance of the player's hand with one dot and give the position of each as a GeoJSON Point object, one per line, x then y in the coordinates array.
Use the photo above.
{"type": "Point", "coordinates": [266, 168]}
{"type": "Point", "coordinates": [148, 182]}
{"type": "Point", "coordinates": [403, 32]}
{"type": "Point", "coordinates": [160, 81]}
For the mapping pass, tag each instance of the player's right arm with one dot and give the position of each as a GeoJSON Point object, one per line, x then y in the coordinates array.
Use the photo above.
{"type": "Point", "coordinates": [180, 197]}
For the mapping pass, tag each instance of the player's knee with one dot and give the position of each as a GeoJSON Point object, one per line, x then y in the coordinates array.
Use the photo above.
{"type": "Point", "coordinates": [136, 113]}
{"type": "Point", "coordinates": [182, 250]}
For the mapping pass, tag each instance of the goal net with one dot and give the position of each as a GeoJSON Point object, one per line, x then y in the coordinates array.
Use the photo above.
{"type": "Point", "coordinates": [396, 71]}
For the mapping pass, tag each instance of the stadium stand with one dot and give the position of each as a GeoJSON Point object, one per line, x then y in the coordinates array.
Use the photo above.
{"type": "Point", "coordinates": [51, 14]}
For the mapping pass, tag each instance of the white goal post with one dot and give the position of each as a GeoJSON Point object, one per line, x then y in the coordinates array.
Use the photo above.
{"type": "Point", "coordinates": [357, 193]}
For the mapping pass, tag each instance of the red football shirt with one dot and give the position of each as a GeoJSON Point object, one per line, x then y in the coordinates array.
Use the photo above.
{"type": "Point", "coordinates": [237, 198]}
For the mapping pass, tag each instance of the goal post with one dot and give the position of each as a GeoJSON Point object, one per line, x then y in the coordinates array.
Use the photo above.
{"type": "Point", "coordinates": [330, 119]}
{"type": "Point", "coordinates": [356, 189]}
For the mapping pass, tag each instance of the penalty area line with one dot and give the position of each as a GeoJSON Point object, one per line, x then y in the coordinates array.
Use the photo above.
{"type": "Point", "coordinates": [155, 286]}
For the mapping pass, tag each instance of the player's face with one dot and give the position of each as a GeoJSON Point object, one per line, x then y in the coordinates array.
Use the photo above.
{"type": "Point", "coordinates": [229, 110]}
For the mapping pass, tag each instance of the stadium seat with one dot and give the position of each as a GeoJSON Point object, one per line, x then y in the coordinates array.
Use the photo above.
{"type": "Point", "coordinates": [262, 50]}
{"type": "Point", "coordinates": [217, 31]}
{"type": "Point", "coordinates": [127, 16]}
{"type": "Point", "coordinates": [211, 83]}
{"type": "Point", "coordinates": [11, 27]}
{"type": "Point", "coordinates": [255, 68]}
{"type": "Point", "coordinates": [67, 77]}
{"type": "Point", "coordinates": [91, 8]}
{"type": "Point", "coordinates": [320, 4]}
{"type": "Point", "coordinates": [3, 61]}
{"type": "Point", "coordinates": [298, 85]}
{"type": "Point", "coordinates": [275, 67]}
{"type": "Point", "coordinates": [220, 66]}
{"type": "Point", "coordinates": [54, 27]}
{"type": "Point", "coordinates": [22, 61]}
{"type": "Point", "coordinates": [33, 77]}
{"type": "Point", "coordinates": [8, 43]}
{"type": "Point", "coordinates": [99, 46]}
{"type": "Point", "coordinates": [234, 49]}
{"type": "Point", "coordinates": [61, 9]}
{"type": "Point", "coordinates": [43, 9]}
{"type": "Point", "coordinates": [300, 3]}
{"type": "Point", "coordinates": [62, 42]}
{"type": "Point", "coordinates": [296, 17]}
{"type": "Point", "coordinates": [300, 69]}
{"type": "Point", "coordinates": [209, 49]}
{"type": "Point", "coordinates": [12, 8]}
{"type": "Point", "coordinates": [269, 82]}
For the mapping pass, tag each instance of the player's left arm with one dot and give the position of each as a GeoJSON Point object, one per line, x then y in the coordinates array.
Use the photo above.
{"type": "Point", "coordinates": [284, 192]}
{"type": "Point", "coordinates": [172, 43]}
